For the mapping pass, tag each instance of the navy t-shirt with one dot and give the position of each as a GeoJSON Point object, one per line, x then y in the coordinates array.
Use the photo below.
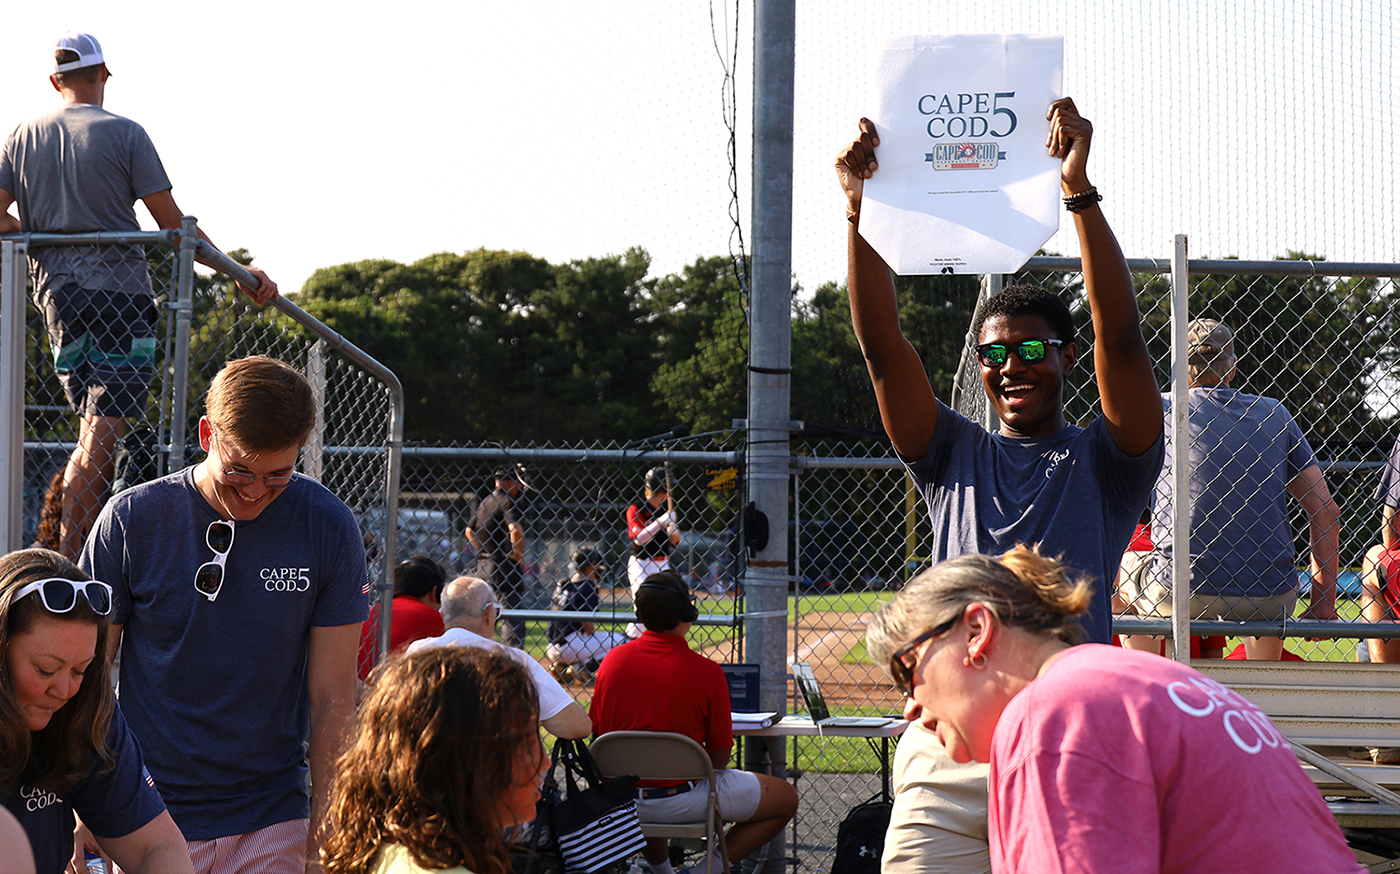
{"type": "Point", "coordinates": [1074, 492]}
{"type": "Point", "coordinates": [572, 596]}
{"type": "Point", "coordinates": [217, 690]}
{"type": "Point", "coordinates": [112, 803]}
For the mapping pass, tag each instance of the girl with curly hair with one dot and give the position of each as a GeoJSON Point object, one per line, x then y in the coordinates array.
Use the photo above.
{"type": "Point", "coordinates": [446, 756]}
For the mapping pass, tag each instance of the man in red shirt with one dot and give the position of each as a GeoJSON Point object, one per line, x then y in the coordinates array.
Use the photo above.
{"type": "Point", "coordinates": [656, 683]}
{"type": "Point", "coordinates": [414, 615]}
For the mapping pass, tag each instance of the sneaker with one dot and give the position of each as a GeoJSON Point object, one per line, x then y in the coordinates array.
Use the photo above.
{"type": "Point", "coordinates": [1379, 755]}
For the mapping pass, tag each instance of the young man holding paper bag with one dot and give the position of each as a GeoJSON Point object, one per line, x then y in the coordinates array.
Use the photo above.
{"type": "Point", "coordinates": [1077, 491]}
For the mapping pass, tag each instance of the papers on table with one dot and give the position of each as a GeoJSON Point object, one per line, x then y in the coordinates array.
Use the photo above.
{"type": "Point", "coordinates": [751, 720]}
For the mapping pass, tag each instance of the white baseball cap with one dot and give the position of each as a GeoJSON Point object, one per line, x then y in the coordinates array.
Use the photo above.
{"type": "Point", "coordinates": [89, 51]}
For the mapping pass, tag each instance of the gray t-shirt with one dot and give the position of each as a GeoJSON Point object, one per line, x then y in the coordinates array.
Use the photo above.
{"type": "Point", "coordinates": [1245, 450]}
{"type": "Point", "coordinates": [75, 170]}
{"type": "Point", "coordinates": [217, 691]}
{"type": "Point", "coordinates": [1074, 492]}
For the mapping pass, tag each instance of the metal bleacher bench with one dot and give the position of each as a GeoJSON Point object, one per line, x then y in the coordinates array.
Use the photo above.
{"type": "Point", "coordinates": [1323, 708]}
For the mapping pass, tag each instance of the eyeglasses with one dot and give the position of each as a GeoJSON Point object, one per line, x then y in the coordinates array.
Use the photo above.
{"type": "Point", "coordinates": [59, 595]}
{"type": "Point", "coordinates": [209, 579]}
{"type": "Point", "coordinates": [901, 670]}
{"type": "Point", "coordinates": [489, 605]}
{"type": "Point", "coordinates": [1029, 351]}
{"type": "Point", "coordinates": [243, 478]}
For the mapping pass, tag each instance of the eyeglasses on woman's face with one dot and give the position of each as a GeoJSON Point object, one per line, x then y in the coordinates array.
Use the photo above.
{"type": "Point", "coordinates": [904, 661]}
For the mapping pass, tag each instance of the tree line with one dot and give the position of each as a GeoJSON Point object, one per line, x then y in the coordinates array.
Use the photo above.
{"type": "Point", "coordinates": [504, 346]}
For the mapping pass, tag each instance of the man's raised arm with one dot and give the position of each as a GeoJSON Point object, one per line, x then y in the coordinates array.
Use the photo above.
{"type": "Point", "coordinates": [1132, 404]}
{"type": "Point", "coordinates": [907, 406]}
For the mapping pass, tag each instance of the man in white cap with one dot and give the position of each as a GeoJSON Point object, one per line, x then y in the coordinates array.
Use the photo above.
{"type": "Point", "coordinates": [1246, 456]}
{"type": "Point", "coordinates": [80, 169]}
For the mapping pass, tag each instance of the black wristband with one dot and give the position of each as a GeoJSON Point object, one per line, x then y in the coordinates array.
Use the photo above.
{"type": "Point", "coordinates": [1083, 200]}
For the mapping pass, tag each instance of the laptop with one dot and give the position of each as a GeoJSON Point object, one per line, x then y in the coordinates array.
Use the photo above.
{"type": "Point", "coordinates": [816, 704]}
{"type": "Point", "coordinates": [743, 687]}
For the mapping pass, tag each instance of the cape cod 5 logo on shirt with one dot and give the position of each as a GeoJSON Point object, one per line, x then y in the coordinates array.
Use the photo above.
{"type": "Point", "coordinates": [1245, 723]}
{"type": "Point", "coordinates": [1052, 461]}
{"type": "Point", "coordinates": [36, 799]}
{"type": "Point", "coordinates": [286, 579]}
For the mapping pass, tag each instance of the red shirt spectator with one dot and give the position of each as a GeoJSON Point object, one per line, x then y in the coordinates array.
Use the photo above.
{"type": "Point", "coordinates": [418, 584]}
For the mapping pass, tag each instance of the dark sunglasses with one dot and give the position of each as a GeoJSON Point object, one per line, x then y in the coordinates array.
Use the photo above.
{"type": "Point", "coordinates": [59, 595]}
{"type": "Point", "coordinates": [901, 670]}
{"type": "Point", "coordinates": [1029, 351]}
{"type": "Point", "coordinates": [209, 578]}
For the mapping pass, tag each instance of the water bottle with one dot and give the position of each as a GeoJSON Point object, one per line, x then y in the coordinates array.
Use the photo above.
{"type": "Point", "coordinates": [95, 863]}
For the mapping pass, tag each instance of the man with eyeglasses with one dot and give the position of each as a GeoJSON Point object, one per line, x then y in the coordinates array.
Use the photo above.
{"type": "Point", "coordinates": [1038, 479]}
{"type": "Point", "coordinates": [239, 591]}
{"type": "Point", "coordinates": [470, 611]}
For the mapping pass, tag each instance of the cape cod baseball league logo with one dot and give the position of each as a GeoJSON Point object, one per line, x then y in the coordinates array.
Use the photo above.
{"type": "Point", "coordinates": [964, 156]}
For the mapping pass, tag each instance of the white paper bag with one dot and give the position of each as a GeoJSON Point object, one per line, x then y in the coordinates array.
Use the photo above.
{"type": "Point", "coordinates": [964, 182]}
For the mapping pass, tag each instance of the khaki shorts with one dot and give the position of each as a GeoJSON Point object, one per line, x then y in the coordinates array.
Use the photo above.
{"type": "Point", "coordinates": [1150, 595]}
{"type": "Point", "coordinates": [739, 793]}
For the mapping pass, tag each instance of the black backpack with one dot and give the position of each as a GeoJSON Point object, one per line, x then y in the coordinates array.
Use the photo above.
{"type": "Point", "coordinates": [135, 459]}
{"type": "Point", "coordinates": [860, 839]}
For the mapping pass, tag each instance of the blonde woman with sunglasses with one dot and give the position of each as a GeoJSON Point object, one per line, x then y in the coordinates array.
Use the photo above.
{"type": "Point", "coordinates": [64, 746]}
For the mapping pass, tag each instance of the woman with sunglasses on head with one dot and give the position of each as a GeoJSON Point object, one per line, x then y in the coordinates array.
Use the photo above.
{"type": "Point", "coordinates": [1102, 759]}
{"type": "Point", "coordinates": [446, 756]}
{"type": "Point", "coordinates": [64, 746]}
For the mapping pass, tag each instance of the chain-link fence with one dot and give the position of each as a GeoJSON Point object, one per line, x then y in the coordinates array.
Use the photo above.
{"type": "Point", "coordinates": [576, 497]}
{"type": "Point", "coordinates": [859, 531]}
{"type": "Point", "coordinates": [177, 336]}
{"type": "Point", "coordinates": [1316, 338]}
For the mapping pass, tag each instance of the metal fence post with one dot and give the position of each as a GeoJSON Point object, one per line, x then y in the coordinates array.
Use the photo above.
{"type": "Point", "coordinates": [12, 317]}
{"type": "Point", "coordinates": [1181, 461]}
{"type": "Point", "coordinates": [312, 462]}
{"type": "Point", "coordinates": [992, 283]}
{"type": "Point", "coordinates": [180, 355]}
{"type": "Point", "coordinates": [770, 358]}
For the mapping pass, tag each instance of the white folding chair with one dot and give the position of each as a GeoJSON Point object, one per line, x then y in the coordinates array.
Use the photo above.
{"type": "Point", "coordinates": [664, 755]}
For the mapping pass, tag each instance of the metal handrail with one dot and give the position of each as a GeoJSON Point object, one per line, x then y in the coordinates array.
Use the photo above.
{"type": "Point", "coordinates": [212, 257]}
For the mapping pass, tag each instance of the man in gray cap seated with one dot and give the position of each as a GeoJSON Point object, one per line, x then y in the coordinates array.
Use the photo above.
{"type": "Point", "coordinates": [1246, 456]}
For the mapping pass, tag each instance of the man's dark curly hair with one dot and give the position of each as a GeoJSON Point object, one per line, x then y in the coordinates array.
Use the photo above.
{"type": "Point", "coordinates": [1028, 300]}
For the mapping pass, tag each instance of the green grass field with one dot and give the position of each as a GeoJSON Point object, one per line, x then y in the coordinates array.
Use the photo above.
{"type": "Point", "coordinates": [1348, 610]}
